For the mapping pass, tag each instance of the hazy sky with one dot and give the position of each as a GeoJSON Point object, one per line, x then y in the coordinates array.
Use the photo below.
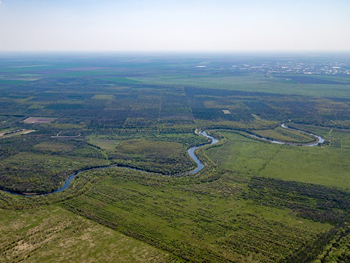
{"type": "Point", "coordinates": [169, 25]}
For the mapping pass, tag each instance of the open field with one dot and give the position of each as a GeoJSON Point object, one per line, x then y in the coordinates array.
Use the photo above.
{"type": "Point", "coordinates": [284, 135]}
{"type": "Point", "coordinates": [193, 220]}
{"type": "Point", "coordinates": [336, 138]}
{"type": "Point", "coordinates": [318, 165]}
{"type": "Point", "coordinates": [53, 234]}
{"type": "Point", "coordinates": [38, 120]}
{"type": "Point", "coordinates": [253, 83]}
{"type": "Point", "coordinates": [105, 143]}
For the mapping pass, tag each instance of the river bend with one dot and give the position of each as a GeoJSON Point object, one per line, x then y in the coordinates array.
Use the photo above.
{"type": "Point", "coordinates": [319, 139]}
{"type": "Point", "coordinates": [190, 151]}
{"type": "Point", "coordinates": [192, 154]}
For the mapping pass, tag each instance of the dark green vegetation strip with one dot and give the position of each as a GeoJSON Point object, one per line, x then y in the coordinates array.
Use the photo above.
{"type": "Point", "coordinates": [338, 249]}
{"type": "Point", "coordinates": [331, 246]}
{"type": "Point", "coordinates": [317, 79]}
{"type": "Point", "coordinates": [122, 80]}
{"type": "Point", "coordinates": [311, 201]}
{"type": "Point", "coordinates": [313, 249]}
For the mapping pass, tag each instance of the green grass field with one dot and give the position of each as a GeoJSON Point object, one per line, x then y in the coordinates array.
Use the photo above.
{"type": "Point", "coordinates": [319, 165]}
{"type": "Point", "coordinates": [284, 135]}
{"type": "Point", "coordinates": [194, 220]}
{"type": "Point", "coordinates": [107, 144]}
{"type": "Point", "coordinates": [252, 83]}
{"type": "Point", "coordinates": [52, 234]}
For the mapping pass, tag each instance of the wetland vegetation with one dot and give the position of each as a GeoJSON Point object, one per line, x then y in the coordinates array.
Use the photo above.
{"type": "Point", "coordinates": [253, 202]}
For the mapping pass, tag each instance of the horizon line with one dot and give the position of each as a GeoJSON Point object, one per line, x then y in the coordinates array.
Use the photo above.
{"type": "Point", "coordinates": [172, 51]}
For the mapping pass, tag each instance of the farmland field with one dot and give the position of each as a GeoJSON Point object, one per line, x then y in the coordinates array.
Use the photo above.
{"type": "Point", "coordinates": [254, 201]}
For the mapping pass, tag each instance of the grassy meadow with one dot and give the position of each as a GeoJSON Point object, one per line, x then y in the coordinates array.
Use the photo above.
{"type": "Point", "coordinates": [252, 83]}
{"type": "Point", "coordinates": [52, 234]}
{"type": "Point", "coordinates": [284, 135]}
{"type": "Point", "coordinates": [323, 165]}
{"type": "Point", "coordinates": [195, 219]}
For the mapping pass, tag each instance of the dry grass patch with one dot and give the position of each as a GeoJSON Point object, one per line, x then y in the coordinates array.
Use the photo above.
{"type": "Point", "coordinates": [31, 120]}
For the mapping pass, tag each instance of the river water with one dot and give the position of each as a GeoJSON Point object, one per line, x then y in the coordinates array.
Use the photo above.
{"type": "Point", "coordinates": [319, 139]}
{"type": "Point", "coordinates": [191, 152]}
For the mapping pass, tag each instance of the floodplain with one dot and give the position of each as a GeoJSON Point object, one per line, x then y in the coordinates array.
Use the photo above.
{"type": "Point", "coordinates": [253, 202]}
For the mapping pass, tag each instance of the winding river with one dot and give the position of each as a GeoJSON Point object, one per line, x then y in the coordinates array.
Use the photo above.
{"type": "Point", "coordinates": [319, 139]}
{"type": "Point", "coordinates": [200, 166]}
{"type": "Point", "coordinates": [192, 154]}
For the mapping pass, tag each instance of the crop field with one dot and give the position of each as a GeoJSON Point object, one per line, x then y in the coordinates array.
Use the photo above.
{"type": "Point", "coordinates": [254, 201]}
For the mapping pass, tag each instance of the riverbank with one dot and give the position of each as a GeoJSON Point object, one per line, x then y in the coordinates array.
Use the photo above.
{"type": "Point", "coordinates": [190, 151]}
{"type": "Point", "coordinates": [318, 139]}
